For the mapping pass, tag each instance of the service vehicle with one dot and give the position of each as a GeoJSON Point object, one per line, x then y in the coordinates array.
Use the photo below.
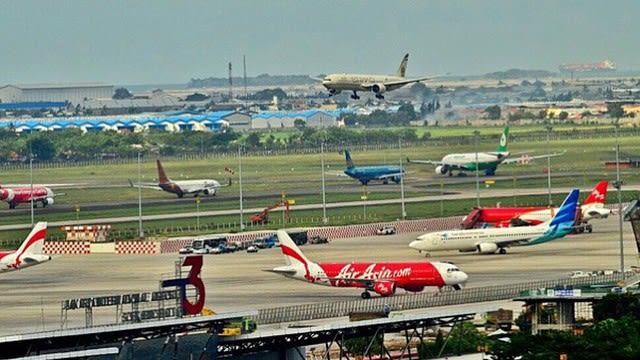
{"type": "Point", "coordinates": [386, 230]}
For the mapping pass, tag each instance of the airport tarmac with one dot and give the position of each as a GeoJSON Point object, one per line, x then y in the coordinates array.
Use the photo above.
{"type": "Point", "coordinates": [31, 298]}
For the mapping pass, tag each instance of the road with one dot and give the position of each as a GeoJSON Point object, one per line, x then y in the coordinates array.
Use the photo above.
{"type": "Point", "coordinates": [31, 299]}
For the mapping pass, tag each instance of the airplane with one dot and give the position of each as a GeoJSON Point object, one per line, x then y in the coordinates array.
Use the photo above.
{"type": "Point", "coordinates": [378, 84]}
{"type": "Point", "coordinates": [381, 277]}
{"type": "Point", "coordinates": [592, 208]}
{"type": "Point", "coordinates": [23, 195]}
{"type": "Point", "coordinates": [181, 187]}
{"type": "Point", "coordinates": [29, 253]}
{"type": "Point", "coordinates": [486, 161]}
{"type": "Point", "coordinates": [490, 240]}
{"type": "Point", "coordinates": [364, 174]}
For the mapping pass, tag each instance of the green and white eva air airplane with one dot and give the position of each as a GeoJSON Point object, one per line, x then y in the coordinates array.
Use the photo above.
{"type": "Point", "coordinates": [485, 161]}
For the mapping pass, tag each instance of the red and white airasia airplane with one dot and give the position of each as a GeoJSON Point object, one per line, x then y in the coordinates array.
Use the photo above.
{"type": "Point", "coordinates": [381, 277]}
{"type": "Point", "coordinates": [23, 195]}
{"type": "Point", "coordinates": [29, 253]}
{"type": "Point", "coordinates": [592, 208]}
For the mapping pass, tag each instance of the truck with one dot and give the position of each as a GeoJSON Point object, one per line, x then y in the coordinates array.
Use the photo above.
{"type": "Point", "coordinates": [235, 327]}
{"type": "Point", "coordinates": [317, 239]}
{"type": "Point", "coordinates": [499, 319]}
{"type": "Point", "coordinates": [265, 242]}
{"type": "Point", "coordinates": [299, 237]}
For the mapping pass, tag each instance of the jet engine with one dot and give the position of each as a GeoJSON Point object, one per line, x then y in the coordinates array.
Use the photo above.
{"type": "Point", "coordinates": [442, 169]}
{"type": "Point", "coordinates": [48, 201]}
{"type": "Point", "coordinates": [487, 248]}
{"type": "Point", "coordinates": [384, 288]}
{"type": "Point", "coordinates": [7, 195]}
{"type": "Point", "coordinates": [601, 213]}
{"type": "Point", "coordinates": [378, 88]}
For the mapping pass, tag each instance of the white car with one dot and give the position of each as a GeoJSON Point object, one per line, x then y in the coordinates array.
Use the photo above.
{"type": "Point", "coordinates": [387, 230]}
{"type": "Point", "coordinates": [252, 249]}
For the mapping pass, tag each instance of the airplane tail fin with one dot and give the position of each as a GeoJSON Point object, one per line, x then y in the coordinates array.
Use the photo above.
{"type": "Point", "coordinates": [292, 254]}
{"type": "Point", "coordinates": [504, 139]}
{"type": "Point", "coordinates": [347, 157]}
{"type": "Point", "coordinates": [162, 177]}
{"type": "Point", "coordinates": [35, 240]}
{"type": "Point", "coordinates": [403, 66]}
{"type": "Point", "coordinates": [599, 194]}
{"type": "Point", "coordinates": [567, 211]}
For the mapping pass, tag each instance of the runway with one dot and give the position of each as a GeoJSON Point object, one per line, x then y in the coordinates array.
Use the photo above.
{"type": "Point", "coordinates": [31, 298]}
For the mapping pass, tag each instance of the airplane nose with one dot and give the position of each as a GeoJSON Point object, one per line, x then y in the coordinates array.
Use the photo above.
{"type": "Point", "coordinates": [463, 277]}
{"type": "Point", "coordinates": [416, 244]}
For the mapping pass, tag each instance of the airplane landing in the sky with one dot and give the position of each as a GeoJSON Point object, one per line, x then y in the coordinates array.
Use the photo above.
{"type": "Point", "coordinates": [29, 253]}
{"type": "Point", "coordinates": [381, 277]}
{"type": "Point", "coordinates": [378, 84]}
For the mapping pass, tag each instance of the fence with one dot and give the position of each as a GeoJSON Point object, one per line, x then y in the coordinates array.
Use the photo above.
{"type": "Point", "coordinates": [417, 301]}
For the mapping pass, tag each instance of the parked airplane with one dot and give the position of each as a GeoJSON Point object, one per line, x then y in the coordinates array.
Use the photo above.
{"type": "Point", "coordinates": [486, 161]}
{"type": "Point", "coordinates": [490, 240]}
{"type": "Point", "coordinates": [592, 208]}
{"type": "Point", "coordinates": [364, 174]}
{"type": "Point", "coordinates": [24, 194]}
{"type": "Point", "coordinates": [381, 277]}
{"type": "Point", "coordinates": [29, 253]}
{"type": "Point", "coordinates": [182, 187]}
{"type": "Point", "coordinates": [378, 84]}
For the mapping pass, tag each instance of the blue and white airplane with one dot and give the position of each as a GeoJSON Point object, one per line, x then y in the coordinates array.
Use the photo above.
{"type": "Point", "coordinates": [364, 174]}
{"type": "Point", "coordinates": [491, 240]}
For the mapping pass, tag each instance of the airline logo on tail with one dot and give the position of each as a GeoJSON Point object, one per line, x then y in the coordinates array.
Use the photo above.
{"type": "Point", "coordinates": [599, 193]}
{"type": "Point", "coordinates": [29, 253]}
{"type": "Point", "coordinates": [504, 139]}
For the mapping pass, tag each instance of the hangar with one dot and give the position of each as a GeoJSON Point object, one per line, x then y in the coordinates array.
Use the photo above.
{"type": "Point", "coordinates": [73, 93]}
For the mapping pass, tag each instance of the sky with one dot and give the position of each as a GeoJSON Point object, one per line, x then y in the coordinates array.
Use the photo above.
{"type": "Point", "coordinates": [169, 42]}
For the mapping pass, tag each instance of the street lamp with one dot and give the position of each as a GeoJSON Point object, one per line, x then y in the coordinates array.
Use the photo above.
{"type": "Point", "coordinates": [404, 212]}
{"type": "Point", "coordinates": [141, 231]}
{"type": "Point", "coordinates": [31, 182]}
{"type": "Point", "coordinates": [475, 135]}
{"type": "Point", "coordinates": [549, 128]}
{"type": "Point", "coordinates": [324, 197]}
{"type": "Point", "coordinates": [618, 185]}
{"type": "Point", "coordinates": [240, 184]}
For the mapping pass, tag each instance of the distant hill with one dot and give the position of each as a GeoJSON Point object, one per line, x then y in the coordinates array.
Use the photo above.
{"type": "Point", "coordinates": [260, 80]}
{"type": "Point", "coordinates": [519, 74]}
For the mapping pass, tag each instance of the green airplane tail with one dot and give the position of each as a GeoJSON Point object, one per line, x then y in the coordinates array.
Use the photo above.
{"type": "Point", "coordinates": [502, 147]}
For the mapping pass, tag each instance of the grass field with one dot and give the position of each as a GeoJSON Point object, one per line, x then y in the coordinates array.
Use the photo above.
{"type": "Point", "coordinates": [273, 175]}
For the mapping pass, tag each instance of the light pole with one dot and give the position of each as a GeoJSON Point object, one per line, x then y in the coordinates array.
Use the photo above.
{"type": "Point", "coordinates": [324, 196]}
{"type": "Point", "coordinates": [404, 212]}
{"type": "Point", "coordinates": [31, 186]}
{"type": "Point", "coordinates": [198, 212]}
{"type": "Point", "coordinates": [141, 231]}
{"type": "Point", "coordinates": [240, 184]}
{"type": "Point", "coordinates": [475, 135]}
{"type": "Point", "coordinates": [549, 128]}
{"type": "Point", "coordinates": [618, 185]}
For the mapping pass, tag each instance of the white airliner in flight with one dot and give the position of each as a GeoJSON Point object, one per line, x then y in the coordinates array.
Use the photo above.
{"type": "Point", "coordinates": [29, 253]}
{"type": "Point", "coordinates": [378, 84]}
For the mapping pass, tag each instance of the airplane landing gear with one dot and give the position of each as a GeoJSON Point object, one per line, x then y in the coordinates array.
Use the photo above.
{"type": "Point", "coordinates": [365, 295]}
{"type": "Point", "coordinates": [502, 251]}
{"type": "Point", "coordinates": [380, 96]}
{"type": "Point", "coordinates": [355, 96]}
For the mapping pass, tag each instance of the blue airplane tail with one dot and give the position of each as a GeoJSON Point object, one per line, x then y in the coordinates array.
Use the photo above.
{"type": "Point", "coordinates": [567, 212]}
{"type": "Point", "coordinates": [348, 159]}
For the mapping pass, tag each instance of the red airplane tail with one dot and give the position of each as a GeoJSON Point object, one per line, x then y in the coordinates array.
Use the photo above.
{"type": "Point", "coordinates": [599, 193]}
{"type": "Point", "coordinates": [162, 177]}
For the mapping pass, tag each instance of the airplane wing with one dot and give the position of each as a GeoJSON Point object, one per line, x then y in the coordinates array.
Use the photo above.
{"type": "Point", "coordinates": [429, 162]}
{"type": "Point", "coordinates": [144, 185]}
{"type": "Point", "coordinates": [388, 176]}
{"type": "Point", "coordinates": [526, 158]}
{"type": "Point", "coordinates": [391, 85]}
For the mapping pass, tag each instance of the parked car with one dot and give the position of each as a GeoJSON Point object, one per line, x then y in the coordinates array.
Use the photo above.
{"type": "Point", "coordinates": [386, 230]}
{"type": "Point", "coordinates": [252, 249]}
{"type": "Point", "coordinates": [317, 239]}
{"type": "Point", "coordinates": [186, 250]}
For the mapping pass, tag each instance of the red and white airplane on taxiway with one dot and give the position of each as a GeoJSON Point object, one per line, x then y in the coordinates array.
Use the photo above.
{"type": "Point", "coordinates": [380, 277]}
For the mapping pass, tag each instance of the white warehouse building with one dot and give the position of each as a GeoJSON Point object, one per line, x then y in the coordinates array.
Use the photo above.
{"type": "Point", "coordinates": [73, 93]}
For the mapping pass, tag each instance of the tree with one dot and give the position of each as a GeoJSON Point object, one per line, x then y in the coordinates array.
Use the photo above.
{"type": "Point", "coordinates": [615, 110]}
{"type": "Point", "coordinates": [41, 146]}
{"type": "Point", "coordinates": [122, 93]}
{"type": "Point", "coordinates": [493, 112]}
{"type": "Point", "coordinates": [616, 306]}
{"type": "Point", "coordinates": [563, 115]}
